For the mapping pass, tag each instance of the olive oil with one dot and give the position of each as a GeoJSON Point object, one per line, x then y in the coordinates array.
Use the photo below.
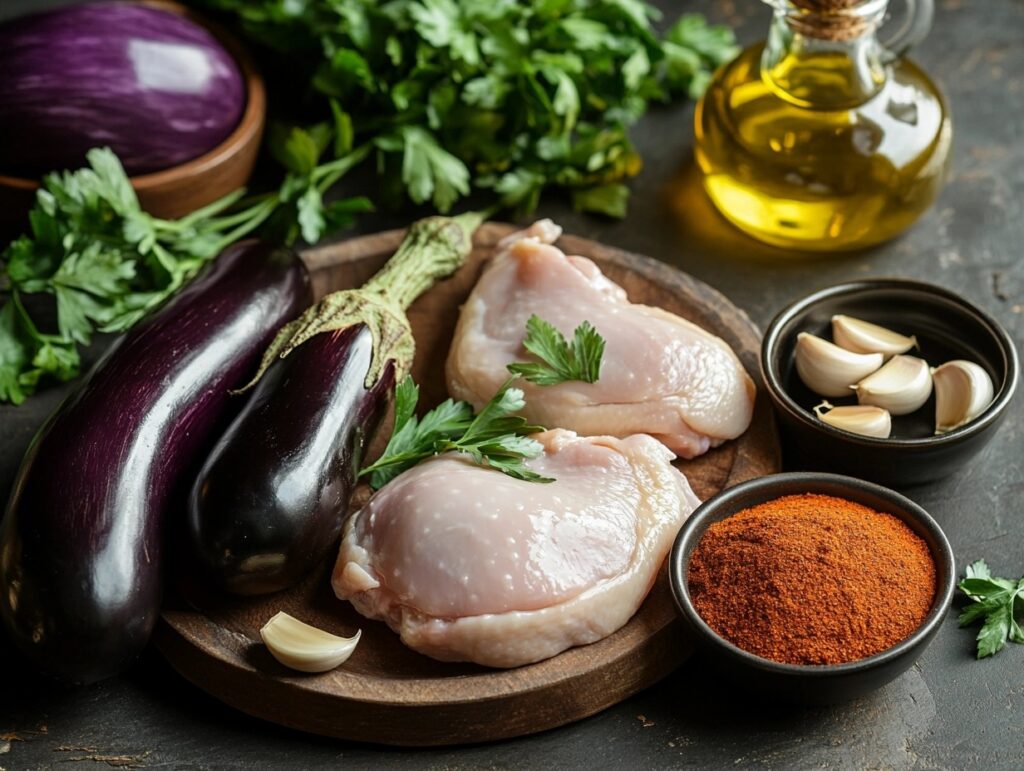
{"type": "Point", "coordinates": [822, 144]}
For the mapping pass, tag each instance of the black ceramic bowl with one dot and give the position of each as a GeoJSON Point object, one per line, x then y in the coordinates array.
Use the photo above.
{"type": "Point", "coordinates": [946, 326]}
{"type": "Point", "coordinates": [806, 684]}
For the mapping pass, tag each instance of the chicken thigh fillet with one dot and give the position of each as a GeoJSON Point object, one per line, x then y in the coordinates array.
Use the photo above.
{"type": "Point", "coordinates": [468, 564]}
{"type": "Point", "coordinates": [661, 375]}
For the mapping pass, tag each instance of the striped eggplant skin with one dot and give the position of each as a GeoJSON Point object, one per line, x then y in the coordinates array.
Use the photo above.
{"type": "Point", "coordinates": [155, 87]}
{"type": "Point", "coordinates": [80, 543]}
{"type": "Point", "coordinates": [270, 501]}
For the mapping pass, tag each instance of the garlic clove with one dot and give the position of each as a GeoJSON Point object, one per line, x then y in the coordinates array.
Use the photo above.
{"type": "Point", "coordinates": [862, 336]}
{"type": "Point", "coordinates": [863, 419]}
{"type": "Point", "coordinates": [829, 370]}
{"type": "Point", "coordinates": [901, 386]}
{"type": "Point", "coordinates": [304, 647]}
{"type": "Point", "coordinates": [963, 390]}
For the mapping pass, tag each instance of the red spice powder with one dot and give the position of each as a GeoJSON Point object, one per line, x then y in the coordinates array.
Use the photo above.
{"type": "Point", "coordinates": [812, 579]}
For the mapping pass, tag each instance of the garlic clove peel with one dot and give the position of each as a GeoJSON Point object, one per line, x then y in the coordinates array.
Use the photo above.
{"type": "Point", "coordinates": [303, 647]}
{"type": "Point", "coordinates": [829, 370]}
{"type": "Point", "coordinates": [863, 419]}
{"type": "Point", "coordinates": [901, 386]}
{"type": "Point", "coordinates": [963, 390]}
{"type": "Point", "coordinates": [862, 336]}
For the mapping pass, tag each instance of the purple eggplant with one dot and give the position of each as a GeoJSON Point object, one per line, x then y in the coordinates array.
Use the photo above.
{"type": "Point", "coordinates": [270, 501]}
{"type": "Point", "coordinates": [271, 495]}
{"type": "Point", "coordinates": [154, 86]}
{"type": "Point", "coordinates": [80, 544]}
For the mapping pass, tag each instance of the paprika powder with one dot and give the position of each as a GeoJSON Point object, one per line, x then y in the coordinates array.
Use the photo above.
{"type": "Point", "coordinates": [812, 579]}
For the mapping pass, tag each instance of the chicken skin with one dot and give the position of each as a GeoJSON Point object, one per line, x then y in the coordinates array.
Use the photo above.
{"type": "Point", "coordinates": [661, 375]}
{"type": "Point", "coordinates": [468, 564]}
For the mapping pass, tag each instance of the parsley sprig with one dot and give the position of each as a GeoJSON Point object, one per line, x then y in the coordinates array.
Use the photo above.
{"type": "Point", "coordinates": [999, 601]}
{"type": "Point", "coordinates": [494, 437]}
{"type": "Point", "coordinates": [101, 263]}
{"type": "Point", "coordinates": [560, 360]}
{"type": "Point", "coordinates": [512, 97]}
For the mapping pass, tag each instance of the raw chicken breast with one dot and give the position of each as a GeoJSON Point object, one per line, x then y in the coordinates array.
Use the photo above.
{"type": "Point", "coordinates": [468, 564]}
{"type": "Point", "coordinates": [661, 375]}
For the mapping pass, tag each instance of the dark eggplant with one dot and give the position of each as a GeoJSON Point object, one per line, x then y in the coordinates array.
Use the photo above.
{"type": "Point", "coordinates": [80, 545]}
{"type": "Point", "coordinates": [270, 501]}
{"type": "Point", "coordinates": [274, 489]}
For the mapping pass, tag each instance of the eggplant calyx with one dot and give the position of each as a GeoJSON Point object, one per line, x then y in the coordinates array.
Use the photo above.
{"type": "Point", "coordinates": [433, 248]}
{"type": "Point", "coordinates": [392, 335]}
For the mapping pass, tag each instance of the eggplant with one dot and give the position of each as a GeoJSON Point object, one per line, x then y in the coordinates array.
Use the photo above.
{"type": "Point", "coordinates": [154, 86]}
{"type": "Point", "coordinates": [80, 543]}
{"type": "Point", "coordinates": [271, 495]}
{"type": "Point", "coordinates": [270, 501]}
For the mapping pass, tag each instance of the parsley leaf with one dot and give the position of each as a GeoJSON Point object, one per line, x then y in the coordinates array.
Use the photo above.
{"type": "Point", "coordinates": [693, 49]}
{"type": "Point", "coordinates": [462, 95]}
{"type": "Point", "coordinates": [413, 439]}
{"type": "Point", "coordinates": [494, 437]}
{"type": "Point", "coordinates": [430, 171]}
{"type": "Point", "coordinates": [999, 601]}
{"type": "Point", "coordinates": [610, 200]}
{"type": "Point", "coordinates": [13, 356]}
{"type": "Point", "coordinates": [560, 360]}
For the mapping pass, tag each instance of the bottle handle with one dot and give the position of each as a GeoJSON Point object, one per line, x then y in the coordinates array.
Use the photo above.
{"type": "Point", "coordinates": [915, 27]}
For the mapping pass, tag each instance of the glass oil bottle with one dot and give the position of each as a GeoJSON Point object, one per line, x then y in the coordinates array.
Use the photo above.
{"type": "Point", "coordinates": [822, 138]}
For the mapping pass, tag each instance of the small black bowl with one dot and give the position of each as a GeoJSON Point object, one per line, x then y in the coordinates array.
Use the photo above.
{"type": "Point", "coordinates": [946, 326]}
{"type": "Point", "coordinates": [811, 684]}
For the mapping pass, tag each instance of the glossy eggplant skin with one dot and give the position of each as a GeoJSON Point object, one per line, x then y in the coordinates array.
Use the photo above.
{"type": "Point", "coordinates": [270, 500]}
{"type": "Point", "coordinates": [153, 85]}
{"type": "Point", "coordinates": [80, 545]}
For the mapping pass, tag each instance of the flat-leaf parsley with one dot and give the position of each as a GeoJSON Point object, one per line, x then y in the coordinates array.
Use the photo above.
{"type": "Point", "coordinates": [999, 601]}
{"type": "Point", "coordinates": [560, 360]}
{"type": "Point", "coordinates": [504, 95]}
{"type": "Point", "coordinates": [103, 263]}
{"type": "Point", "coordinates": [495, 437]}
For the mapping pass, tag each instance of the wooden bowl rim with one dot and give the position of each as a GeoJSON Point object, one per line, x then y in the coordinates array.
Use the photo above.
{"type": "Point", "coordinates": [249, 128]}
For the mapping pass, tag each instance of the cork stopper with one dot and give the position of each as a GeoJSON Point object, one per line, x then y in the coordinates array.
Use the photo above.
{"type": "Point", "coordinates": [831, 19]}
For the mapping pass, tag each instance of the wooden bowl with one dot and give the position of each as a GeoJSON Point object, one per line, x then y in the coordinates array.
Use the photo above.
{"type": "Point", "coordinates": [180, 189]}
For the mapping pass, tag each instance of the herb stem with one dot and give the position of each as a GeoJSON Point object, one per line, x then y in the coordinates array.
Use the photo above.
{"type": "Point", "coordinates": [242, 216]}
{"type": "Point", "coordinates": [327, 174]}
{"type": "Point", "coordinates": [256, 216]}
{"type": "Point", "coordinates": [249, 218]}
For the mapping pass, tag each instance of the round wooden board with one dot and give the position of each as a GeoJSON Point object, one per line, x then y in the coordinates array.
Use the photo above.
{"type": "Point", "coordinates": [386, 692]}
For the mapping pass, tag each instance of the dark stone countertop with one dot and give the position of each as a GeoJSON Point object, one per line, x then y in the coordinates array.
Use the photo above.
{"type": "Point", "coordinates": [949, 711]}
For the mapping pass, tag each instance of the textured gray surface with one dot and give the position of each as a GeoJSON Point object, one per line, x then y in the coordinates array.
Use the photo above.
{"type": "Point", "coordinates": [947, 712]}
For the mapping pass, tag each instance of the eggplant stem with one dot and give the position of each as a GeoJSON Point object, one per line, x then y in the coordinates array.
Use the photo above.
{"type": "Point", "coordinates": [433, 248]}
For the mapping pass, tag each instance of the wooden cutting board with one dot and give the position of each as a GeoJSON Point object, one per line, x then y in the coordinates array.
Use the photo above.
{"type": "Point", "coordinates": [386, 692]}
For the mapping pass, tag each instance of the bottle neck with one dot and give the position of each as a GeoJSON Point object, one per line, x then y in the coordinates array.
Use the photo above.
{"type": "Point", "coordinates": [824, 60]}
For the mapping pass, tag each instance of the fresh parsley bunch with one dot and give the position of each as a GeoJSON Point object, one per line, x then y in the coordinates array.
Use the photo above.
{"type": "Point", "coordinates": [999, 601]}
{"type": "Point", "coordinates": [503, 95]}
{"type": "Point", "coordinates": [101, 263]}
